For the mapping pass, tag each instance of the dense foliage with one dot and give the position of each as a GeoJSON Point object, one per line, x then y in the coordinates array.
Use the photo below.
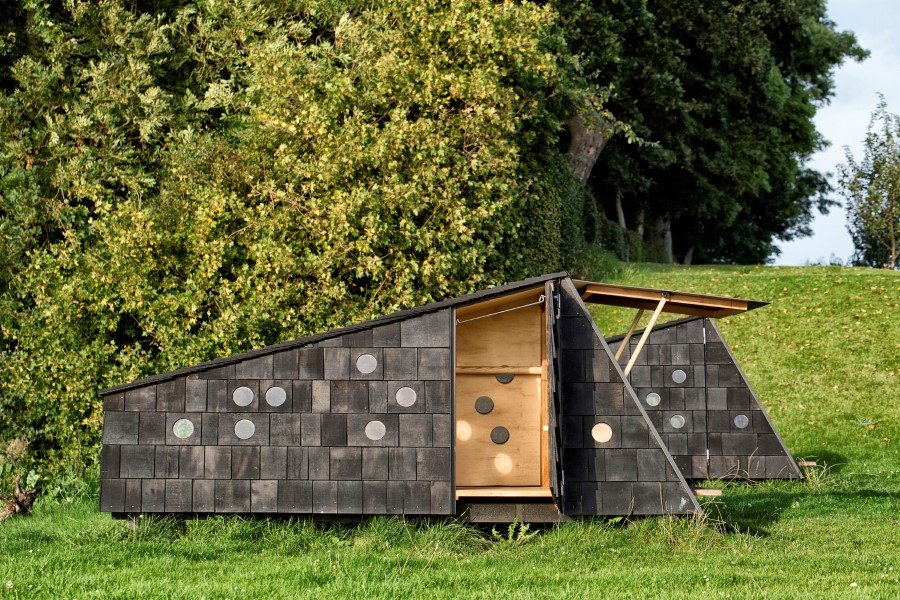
{"type": "Point", "coordinates": [184, 183]}
{"type": "Point", "coordinates": [872, 190]}
{"type": "Point", "coordinates": [727, 90]}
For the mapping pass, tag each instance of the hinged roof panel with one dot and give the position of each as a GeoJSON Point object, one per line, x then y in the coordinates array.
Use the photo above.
{"type": "Point", "coordinates": [683, 303]}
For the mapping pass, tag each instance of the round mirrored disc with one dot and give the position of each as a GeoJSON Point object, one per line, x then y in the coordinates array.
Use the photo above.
{"type": "Point", "coordinates": [406, 397]}
{"type": "Point", "coordinates": [741, 421]}
{"type": "Point", "coordinates": [601, 432]}
{"type": "Point", "coordinates": [653, 399]}
{"type": "Point", "coordinates": [679, 376]}
{"type": "Point", "coordinates": [677, 421]}
{"type": "Point", "coordinates": [275, 396]}
{"type": "Point", "coordinates": [183, 429]}
{"type": "Point", "coordinates": [242, 396]}
{"type": "Point", "coordinates": [375, 430]}
{"type": "Point", "coordinates": [484, 405]}
{"type": "Point", "coordinates": [505, 377]}
{"type": "Point", "coordinates": [366, 363]}
{"type": "Point", "coordinates": [500, 435]}
{"type": "Point", "coordinates": [244, 429]}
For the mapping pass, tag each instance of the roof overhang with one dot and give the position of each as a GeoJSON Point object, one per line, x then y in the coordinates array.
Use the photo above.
{"type": "Point", "coordinates": [682, 303]}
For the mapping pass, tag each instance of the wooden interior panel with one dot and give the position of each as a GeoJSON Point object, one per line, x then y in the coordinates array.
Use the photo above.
{"type": "Point", "coordinates": [482, 307]}
{"type": "Point", "coordinates": [511, 339]}
{"type": "Point", "coordinates": [517, 407]}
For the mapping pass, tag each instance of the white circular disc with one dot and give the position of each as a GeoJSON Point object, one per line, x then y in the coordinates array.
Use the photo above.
{"type": "Point", "coordinates": [275, 396]}
{"type": "Point", "coordinates": [183, 429]}
{"type": "Point", "coordinates": [741, 421]}
{"type": "Point", "coordinates": [243, 396]}
{"type": "Point", "coordinates": [366, 363]}
{"type": "Point", "coordinates": [244, 429]}
{"type": "Point", "coordinates": [406, 397]}
{"type": "Point", "coordinates": [679, 376]}
{"type": "Point", "coordinates": [653, 399]}
{"type": "Point", "coordinates": [677, 421]}
{"type": "Point", "coordinates": [602, 433]}
{"type": "Point", "coordinates": [375, 430]}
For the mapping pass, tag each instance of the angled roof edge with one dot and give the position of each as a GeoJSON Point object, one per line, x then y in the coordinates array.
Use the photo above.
{"type": "Point", "coordinates": [305, 341]}
{"type": "Point", "coordinates": [685, 303]}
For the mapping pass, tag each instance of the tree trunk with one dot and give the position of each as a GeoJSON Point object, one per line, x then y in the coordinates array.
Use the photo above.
{"type": "Point", "coordinates": [589, 132]}
{"type": "Point", "coordinates": [663, 237]}
{"type": "Point", "coordinates": [620, 215]}
{"type": "Point", "coordinates": [688, 256]}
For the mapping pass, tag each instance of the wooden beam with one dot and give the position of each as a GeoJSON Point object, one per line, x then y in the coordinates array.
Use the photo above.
{"type": "Point", "coordinates": [646, 334]}
{"type": "Point", "coordinates": [706, 492]}
{"type": "Point", "coordinates": [805, 464]}
{"type": "Point", "coordinates": [627, 337]}
{"type": "Point", "coordinates": [498, 370]}
{"type": "Point", "coordinates": [502, 492]}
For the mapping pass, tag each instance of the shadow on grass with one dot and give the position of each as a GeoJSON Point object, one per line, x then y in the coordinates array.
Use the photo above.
{"type": "Point", "coordinates": [824, 457]}
{"type": "Point", "coordinates": [756, 512]}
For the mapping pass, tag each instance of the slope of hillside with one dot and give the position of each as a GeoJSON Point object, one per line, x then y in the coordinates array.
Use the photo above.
{"type": "Point", "coordinates": [824, 356]}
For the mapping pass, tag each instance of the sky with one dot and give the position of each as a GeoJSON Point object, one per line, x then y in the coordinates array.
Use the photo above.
{"type": "Point", "coordinates": [843, 122]}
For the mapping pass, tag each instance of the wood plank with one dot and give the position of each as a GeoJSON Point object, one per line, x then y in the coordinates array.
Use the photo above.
{"type": "Point", "coordinates": [511, 339]}
{"type": "Point", "coordinates": [687, 303]}
{"type": "Point", "coordinates": [496, 370]}
{"type": "Point", "coordinates": [706, 492]}
{"type": "Point", "coordinates": [806, 463]}
{"type": "Point", "coordinates": [503, 492]}
{"type": "Point", "coordinates": [545, 415]}
{"type": "Point", "coordinates": [517, 407]}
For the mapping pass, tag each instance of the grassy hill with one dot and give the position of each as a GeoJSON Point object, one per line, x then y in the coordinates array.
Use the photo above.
{"type": "Point", "coordinates": [824, 358]}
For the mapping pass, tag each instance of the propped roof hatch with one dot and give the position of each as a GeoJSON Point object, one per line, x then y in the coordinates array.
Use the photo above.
{"type": "Point", "coordinates": [683, 303]}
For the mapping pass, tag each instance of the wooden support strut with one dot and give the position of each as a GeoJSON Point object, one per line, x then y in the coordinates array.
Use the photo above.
{"type": "Point", "coordinates": [646, 334]}
{"type": "Point", "coordinates": [627, 338]}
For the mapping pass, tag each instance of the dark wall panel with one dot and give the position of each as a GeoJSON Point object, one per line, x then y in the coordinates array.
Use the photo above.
{"type": "Point", "coordinates": [713, 408]}
{"type": "Point", "coordinates": [318, 429]}
{"type": "Point", "coordinates": [613, 461]}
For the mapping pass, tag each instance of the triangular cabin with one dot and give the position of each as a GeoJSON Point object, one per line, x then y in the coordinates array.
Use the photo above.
{"type": "Point", "coordinates": [506, 403]}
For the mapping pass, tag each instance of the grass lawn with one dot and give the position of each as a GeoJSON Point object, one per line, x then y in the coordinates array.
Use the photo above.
{"type": "Point", "coordinates": [825, 359]}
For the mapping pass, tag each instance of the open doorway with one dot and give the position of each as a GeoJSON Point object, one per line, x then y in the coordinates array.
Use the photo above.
{"type": "Point", "coordinates": [501, 399]}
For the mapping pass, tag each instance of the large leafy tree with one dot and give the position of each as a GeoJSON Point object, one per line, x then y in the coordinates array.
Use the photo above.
{"type": "Point", "coordinates": [871, 187]}
{"type": "Point", "coordinates": [726, 90]}
{"type": "Point", "coordinates": [184, 180]}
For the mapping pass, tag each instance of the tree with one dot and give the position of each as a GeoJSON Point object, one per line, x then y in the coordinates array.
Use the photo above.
{"type": "Point", "coordinates": [872, 190]}
{"type": "Point", "coordinates": [186, 180]}
{"type": "Point", "coordinates": [726, 91]}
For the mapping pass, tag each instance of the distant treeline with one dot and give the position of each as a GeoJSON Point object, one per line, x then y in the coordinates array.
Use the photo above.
{"type": "Point", "coordinates": [184, 180]}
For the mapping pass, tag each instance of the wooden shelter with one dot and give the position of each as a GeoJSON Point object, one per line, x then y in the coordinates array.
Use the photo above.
{"type": "Point", "coordinates": [500, 404]}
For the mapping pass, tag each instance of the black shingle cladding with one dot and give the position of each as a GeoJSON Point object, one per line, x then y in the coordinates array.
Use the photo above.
{"type": "Point", "coordinates": [309, 451]}
{"type": "Point", "coordinates": [631, 473]}
{"type": "Point", "coordinates": [713, 400]}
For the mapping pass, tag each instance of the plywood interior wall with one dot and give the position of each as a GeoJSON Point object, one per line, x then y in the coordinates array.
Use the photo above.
{"type": "Point", "coordinates": [480, 461]}
{"type": "Point", "coordinates": [511, 339]}
{"type": "Point", "coordinates": [501, 342]}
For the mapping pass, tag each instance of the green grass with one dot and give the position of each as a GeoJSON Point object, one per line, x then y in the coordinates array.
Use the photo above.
{"type": "Point", "coordinates": [825, 358]}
